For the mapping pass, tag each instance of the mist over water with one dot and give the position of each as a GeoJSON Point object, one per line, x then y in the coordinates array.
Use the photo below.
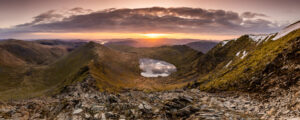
{"type": "Point", "coordinates": [156, 68]}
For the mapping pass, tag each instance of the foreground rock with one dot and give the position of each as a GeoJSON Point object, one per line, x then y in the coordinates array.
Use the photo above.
{"type": "Point", "coordinates": [83, 101]}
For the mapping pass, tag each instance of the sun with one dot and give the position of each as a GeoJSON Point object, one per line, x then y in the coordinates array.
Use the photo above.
{"type": "Point", "coordinates": [154, 35]}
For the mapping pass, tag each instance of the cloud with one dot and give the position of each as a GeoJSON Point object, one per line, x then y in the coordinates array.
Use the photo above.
{"type": "Point", "coordinates": [155, 19]}
{"type": "Point", "coordinates": [53, 16]}
{"type": "Point", "coordinates": [253, 15]}
{"type": "Point", "coordinates": [155, 68]}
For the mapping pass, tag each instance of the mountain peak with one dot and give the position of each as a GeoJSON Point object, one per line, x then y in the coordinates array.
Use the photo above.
{"type": "Point", "coordinates": [287, 30]}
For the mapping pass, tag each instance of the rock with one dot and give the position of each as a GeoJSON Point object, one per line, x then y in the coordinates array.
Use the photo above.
{"type": "Point", "coordinates": [186, 111]}
{"type": "Point", "coordinates": [195, 90]}
{"type": "Point", "coordinates": [77, 117]}
{"type": "Point", "coordinates": [97, 116]}
{"type": "Point", "coordinates": [77, 111]}
{"type": "Point", "coordinates": [286, 112]}
{"type": "Point", "coordinates": [113, 99]}
{"type": "Point", "coordinates": [111, 115]}
{"type": "Point", "coordinates": [62, 116]}
{"type": "Point", "coordinates": [141, 106]}
{"type": "Point", "coordinates": [97, 108]}
{"type": "Point", "coordinates": [103, 117]}
{"type": "Point", "coordinates": [122, 117]}
{"type": "Point", "coordinates": [147, 106]}
{"type": "Point", "coordinates": [156, 111]}
{"type": "Point", "coordinates": [186, 98]}
{"type": "Point", "coordinates": [87, 116]}
{"type": "Point", "coordinates": [271, 111]}
{"type": "Point", "coordinates": [295, 118]}
{"type": "Point", "coordinates": [205, 99]}
{"type": "Point", "coordinates": [187, 104]}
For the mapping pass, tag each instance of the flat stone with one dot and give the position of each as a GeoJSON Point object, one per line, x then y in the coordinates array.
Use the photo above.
{"type": "Point", "coordinates": [77, 111]}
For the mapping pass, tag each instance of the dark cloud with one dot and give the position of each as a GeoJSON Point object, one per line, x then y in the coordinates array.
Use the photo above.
{"type": "Point", "coordinates": [80, 10]}
{"type": "Point", "coordinates": [253, 15]}
{"type": "Point", "coordinates": [53, 16]}
{"type": "Point", "coordinates": [156, 19]}
{"type": "Point", "coordinates": [47, 17]}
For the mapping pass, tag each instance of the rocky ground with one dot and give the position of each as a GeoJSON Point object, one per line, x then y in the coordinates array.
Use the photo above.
{"type": "Point", "coordinates": [83, 101]}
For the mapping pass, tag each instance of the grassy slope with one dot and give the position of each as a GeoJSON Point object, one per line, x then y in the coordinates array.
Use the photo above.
{"type": "Point", "coordinates": [179, 55]}
{"type": "Point", "coordinates": [112, 69]}
{"type": "Point", "coordinates": [221, 55]}
{"type": "Point", "coordinates": [120, 69]}
{"type": "Point", "coordinates": [33, 76]}
{"type": "Point", "coordinates": [31, 52]}
{"type": "Point", "coordinates": [238, 74]}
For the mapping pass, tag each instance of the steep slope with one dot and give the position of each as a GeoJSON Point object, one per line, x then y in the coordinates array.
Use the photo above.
{"type": "Point", "coordinates": [222, 54]}
{"type": "Point", "coordinates": [280, 74]}
{"type": "Point", "coordinates": [8, 59]}
{"type": "Point", "coordinates": [21, 61]}
{"type": "Point", "coordinates": [36, 80]}
{"type": "Point", "coordinates": [287, 30]}
{"type": "Point", "coordinates": [235, 65]}
{"type": "Point", "coordinates": [31, 52]}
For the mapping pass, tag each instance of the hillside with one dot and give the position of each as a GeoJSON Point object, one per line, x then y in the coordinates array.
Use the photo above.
{"type": "Point", "coordinates": [22, 64]}
{"type": "Point", "coordinates": [113, 70]}
{"type": "Point", "coordinates": [30, 52]}
{"type": "Point", "coordinates": [180, 55]}
{"type": "Point", "coordinates": [242, 64]}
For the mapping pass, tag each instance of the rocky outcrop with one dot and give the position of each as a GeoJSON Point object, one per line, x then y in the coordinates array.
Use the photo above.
{"type": "Point", "coordinates": [281, 74]}
{"type": "Point", "coordinates": [83, 101]}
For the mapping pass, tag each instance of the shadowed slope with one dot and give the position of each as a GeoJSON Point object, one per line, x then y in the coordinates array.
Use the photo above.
{"type": "Point", "coordinates": [202, 46]}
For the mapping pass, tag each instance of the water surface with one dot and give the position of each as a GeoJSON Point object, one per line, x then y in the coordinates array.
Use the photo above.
{"type": "Point", "coordinates": [156, 68]}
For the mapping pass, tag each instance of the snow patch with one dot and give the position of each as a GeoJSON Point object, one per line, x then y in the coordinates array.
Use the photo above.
{"type": "Point", "coordinates": [259, 38]}
{"type": "Point", "coordinates": [287, 30]}
{"type": "Point", "coordinates": [238, 53]}
{"type": "Point", "coordinates": [224, 42]}
{"type": "Point", "coordinates": [228, 63]}
{"type": "Point", "coordinates": [244, 54]}
{"type": "Point", "coordinates": [156, 68]}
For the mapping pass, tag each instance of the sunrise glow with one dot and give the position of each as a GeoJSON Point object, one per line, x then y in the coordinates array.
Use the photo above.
{"type": "Point", "coordinates": [107, 35]}
{"type": "Point", "coordinates": [154, 35]}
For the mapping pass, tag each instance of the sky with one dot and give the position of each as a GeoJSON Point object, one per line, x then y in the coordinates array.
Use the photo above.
{"type": "Point", "coordinates": [138, 19]}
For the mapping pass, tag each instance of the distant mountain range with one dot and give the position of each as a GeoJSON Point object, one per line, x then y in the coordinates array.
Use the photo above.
{"type": "Point", "coordinates": [203, 46]}
{"type": "Point", "coordinates": [199, 45]}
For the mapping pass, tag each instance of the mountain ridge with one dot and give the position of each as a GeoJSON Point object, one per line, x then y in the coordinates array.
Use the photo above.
{"type": "Point", "coordinates": [257, 55]}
